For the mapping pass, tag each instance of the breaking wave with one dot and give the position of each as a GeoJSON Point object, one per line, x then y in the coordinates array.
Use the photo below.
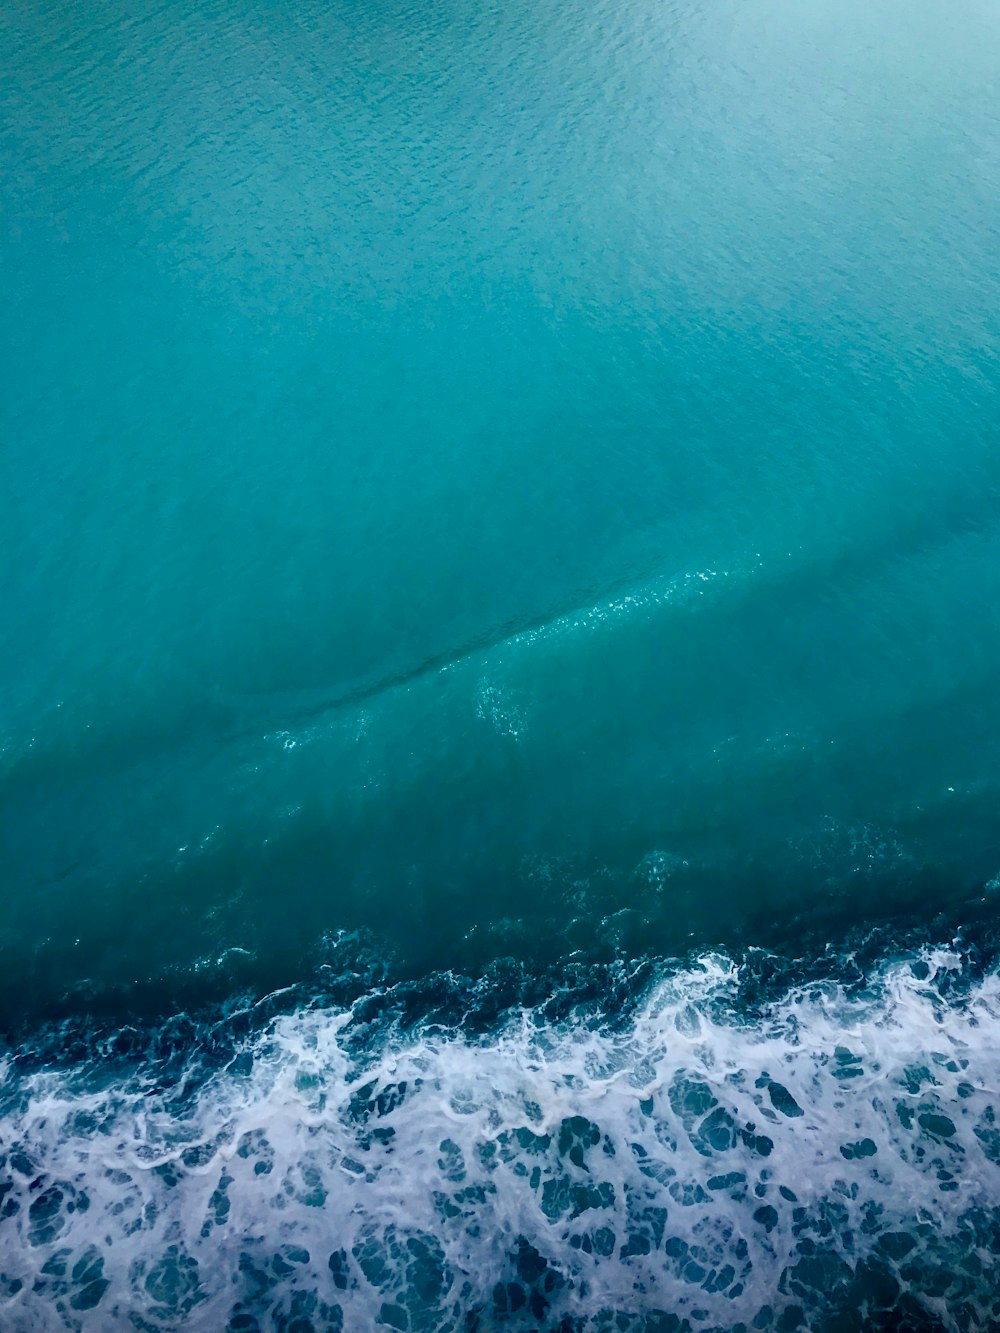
{"type": "Point", "coordinates": [718, 1153]}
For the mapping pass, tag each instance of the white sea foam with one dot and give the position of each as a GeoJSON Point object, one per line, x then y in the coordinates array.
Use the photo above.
{"type": "Point", "coordinates": [698, 1165]}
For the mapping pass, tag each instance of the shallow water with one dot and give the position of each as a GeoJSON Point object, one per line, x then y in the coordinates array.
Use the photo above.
{"type": "Point", "coordinates": [499, 526]}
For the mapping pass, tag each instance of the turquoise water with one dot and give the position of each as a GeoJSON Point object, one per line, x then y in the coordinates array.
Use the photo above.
{"type": "Point", "coordinates": [499, 536]}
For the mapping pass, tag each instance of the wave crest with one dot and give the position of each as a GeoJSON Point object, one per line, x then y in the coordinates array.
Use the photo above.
{"type": "Point", "coordinates": [828, 1159]}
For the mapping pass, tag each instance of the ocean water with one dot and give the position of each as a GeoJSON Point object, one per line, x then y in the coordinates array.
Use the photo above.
{"type": "Point", "coordinates": [499, 726]}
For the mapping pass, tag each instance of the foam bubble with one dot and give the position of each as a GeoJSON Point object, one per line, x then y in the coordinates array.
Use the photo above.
{"type": "Point", "coordinates": [498, 706]}
{"type": "Point", "coordinates": [828, 1159]}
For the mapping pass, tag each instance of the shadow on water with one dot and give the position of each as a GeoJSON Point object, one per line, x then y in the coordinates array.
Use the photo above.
{"type": "Point", "coordinates": [235, 919]}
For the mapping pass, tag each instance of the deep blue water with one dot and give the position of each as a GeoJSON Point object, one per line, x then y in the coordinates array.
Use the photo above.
{"type": "Point", "coordinates": [499, 729]}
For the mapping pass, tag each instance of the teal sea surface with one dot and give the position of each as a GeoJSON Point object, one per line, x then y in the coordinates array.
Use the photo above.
{"type": "Point", "coordinates": [499, 659]}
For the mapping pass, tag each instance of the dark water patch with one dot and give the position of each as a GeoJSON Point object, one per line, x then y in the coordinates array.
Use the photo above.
{"type": "Point", "coordinates": [498, 921]}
